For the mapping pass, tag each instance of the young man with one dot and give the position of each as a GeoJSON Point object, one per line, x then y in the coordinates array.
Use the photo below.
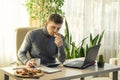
{"type": "Point", "coordinates": [46, 44]}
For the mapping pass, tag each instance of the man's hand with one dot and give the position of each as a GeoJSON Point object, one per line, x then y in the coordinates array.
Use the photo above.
{"type": "Point", "coordinates": [31, 63]}
{"type": "Point", "coordinates": [58, 40]}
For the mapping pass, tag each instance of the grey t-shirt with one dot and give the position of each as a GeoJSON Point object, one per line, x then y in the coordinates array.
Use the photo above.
{"type": "Point", "coordinates": [41, 45]}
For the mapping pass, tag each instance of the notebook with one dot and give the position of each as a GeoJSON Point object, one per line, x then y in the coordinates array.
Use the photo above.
{"type": "Point", "coordinates": [88, 61]}
{"type": "Point", "coordinates": [49, 70]}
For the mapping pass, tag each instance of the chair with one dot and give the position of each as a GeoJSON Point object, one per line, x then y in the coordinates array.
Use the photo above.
{"type": "Point", "coordinates": [20, 34]}
{"type": "Point", "coordinates": [115, 61]}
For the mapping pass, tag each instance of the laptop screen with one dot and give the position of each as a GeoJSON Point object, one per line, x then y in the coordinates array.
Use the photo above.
{"type": "Point", "coordinates": [92, 54]}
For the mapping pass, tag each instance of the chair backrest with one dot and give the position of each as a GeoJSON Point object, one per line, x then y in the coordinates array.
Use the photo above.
{"type": "Point", "coordinates": [118, 54]}
{"type": "Point", "coordinates": [20, 34]}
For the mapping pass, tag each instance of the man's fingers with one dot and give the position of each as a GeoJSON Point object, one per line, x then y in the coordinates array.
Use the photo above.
{"type": "Point", "coordinates": [31, 63]}
{"type": "Point", "coordinates": [56, 35]}
{"type": "Point", "coordinates": [59, 42]}
{"type": "Point", "coordinates": [34, 64]}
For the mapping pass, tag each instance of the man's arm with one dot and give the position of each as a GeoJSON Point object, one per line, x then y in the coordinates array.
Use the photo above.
{"type": "Point", "coordinates": [61, 52]}
{"type": "Point", "coordinates": [25, 46]}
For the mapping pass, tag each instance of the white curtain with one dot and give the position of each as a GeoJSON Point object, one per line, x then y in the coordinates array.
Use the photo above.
{"type": "Point", "coordinates": [94, 16]}
{"type": "Point", "coordinates": [12, 15]}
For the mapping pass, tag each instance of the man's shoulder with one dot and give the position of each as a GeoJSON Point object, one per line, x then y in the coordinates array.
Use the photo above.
{"type": "Point", "coordinates": [33, 32]}
{"type": "Point", "coordinates": [36, 30]}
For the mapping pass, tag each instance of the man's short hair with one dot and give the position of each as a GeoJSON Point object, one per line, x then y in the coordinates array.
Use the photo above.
{"type": "Point", "coordinates": [56, 18]}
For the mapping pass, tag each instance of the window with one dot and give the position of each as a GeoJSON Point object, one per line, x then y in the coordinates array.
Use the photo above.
{"type": "Point", "coordinates": [13, 14]}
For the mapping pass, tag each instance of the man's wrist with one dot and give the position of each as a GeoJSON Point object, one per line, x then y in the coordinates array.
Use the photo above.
{"type": "Point", "coordinates": [25, 62]}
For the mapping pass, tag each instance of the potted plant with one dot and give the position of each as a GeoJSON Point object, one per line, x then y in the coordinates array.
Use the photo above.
{"type": "Point", "coordinates": [41, 9]}
{"type": "Point", "coordinates": [75, 51]}
{"type": "Point", "coordinates": [101, 61]}
{"type": "Point", "coordinates": [72, 50]}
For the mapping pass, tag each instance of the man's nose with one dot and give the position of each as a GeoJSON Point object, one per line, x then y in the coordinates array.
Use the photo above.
{"type": "Point", "coordinates": [55, 30]}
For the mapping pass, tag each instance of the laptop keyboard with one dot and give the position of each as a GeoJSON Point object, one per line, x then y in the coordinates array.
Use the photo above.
{"type": "Point", "coordinates": [76, 63]}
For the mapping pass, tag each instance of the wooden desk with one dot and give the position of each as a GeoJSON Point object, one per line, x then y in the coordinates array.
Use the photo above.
{"type": "Point", "coordinates": [69, 73]}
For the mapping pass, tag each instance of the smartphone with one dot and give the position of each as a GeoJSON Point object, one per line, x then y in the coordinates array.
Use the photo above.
{"type": "Point", "coordinates": [52, 64]}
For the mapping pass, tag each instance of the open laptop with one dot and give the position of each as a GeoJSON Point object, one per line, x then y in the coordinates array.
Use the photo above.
{"type": "Point", "coordinates": [89, 59]}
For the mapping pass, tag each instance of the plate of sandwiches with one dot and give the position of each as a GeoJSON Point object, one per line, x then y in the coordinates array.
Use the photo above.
{"type": "Point", "coordinates": [28, 72]}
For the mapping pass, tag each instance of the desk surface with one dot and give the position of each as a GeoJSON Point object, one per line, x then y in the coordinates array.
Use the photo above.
{"type": "Point", "coordinates": [72, 73]}
{"type": "Point", "coordinates": [68, 73]}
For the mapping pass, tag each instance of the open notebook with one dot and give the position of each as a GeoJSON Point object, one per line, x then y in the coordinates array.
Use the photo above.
{"type": "Point", "coordinates": [49, 70]}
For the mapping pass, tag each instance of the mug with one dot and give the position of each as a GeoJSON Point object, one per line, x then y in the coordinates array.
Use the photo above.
{"type": "Point", "coordinates": [37, 61]}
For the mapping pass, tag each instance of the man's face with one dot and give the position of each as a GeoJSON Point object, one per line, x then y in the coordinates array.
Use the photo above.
{"type": "Point", "coordinates": [52, 27]}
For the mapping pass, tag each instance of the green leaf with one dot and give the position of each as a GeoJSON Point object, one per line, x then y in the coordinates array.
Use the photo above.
{"type": "Point", "coordinates": [91, 42]}
{"type": "Point", "coordinates": [81, 52]}
{"type": "Point", "coordinates": [101, 36]}
{"type": "Point", "coordinates": [67, 31]}
{"type": "Point", "coordinates": [77, 52]}
{"type": "Point", "coordinates": [95, 40]}
{"type": "Point", "coordinates": [41, 9]}
{"type": "Point", "coordinates": [73, 50]}
{"type": "Point", "coordinates": [86, 49]}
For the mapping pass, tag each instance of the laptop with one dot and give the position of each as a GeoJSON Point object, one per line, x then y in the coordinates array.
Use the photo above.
{"type": "Point", "coordinates": [88, 61]}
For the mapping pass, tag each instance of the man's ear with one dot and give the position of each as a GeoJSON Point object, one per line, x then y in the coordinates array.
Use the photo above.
{"type": "Point", "coordinates": [46, 23]}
